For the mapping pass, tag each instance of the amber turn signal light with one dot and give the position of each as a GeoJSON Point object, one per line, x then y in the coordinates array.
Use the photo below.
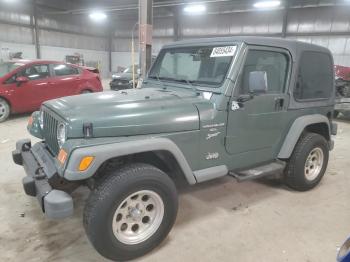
{"type": "Point", "coordinates": [85, 163]}
{"type": "Point", "coordinates": [62, 156]}
{"type": "Point", "coordinates": [30, 121]}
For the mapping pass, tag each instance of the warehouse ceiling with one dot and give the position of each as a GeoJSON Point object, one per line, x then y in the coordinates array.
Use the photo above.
{"type": "Point", "coordinates": [72, 16]}
{"type": "Point", "coordinates": [129, 8]}
{"type": "Point", "coordinates": [165, 7]}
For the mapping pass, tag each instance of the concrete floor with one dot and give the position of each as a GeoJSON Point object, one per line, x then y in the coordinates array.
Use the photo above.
{"type": "Point", "coordinates": [217, 221]}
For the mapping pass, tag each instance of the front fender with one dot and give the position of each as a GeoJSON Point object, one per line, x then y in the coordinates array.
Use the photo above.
{"type": "Point", "coordinates": [112, 150]}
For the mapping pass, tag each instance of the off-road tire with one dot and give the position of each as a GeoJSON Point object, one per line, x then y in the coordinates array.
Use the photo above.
{"type": "Point", "coordinates": [4, 110]}
{"type": "Point", "coordinates": [294, 174]}
{"type": "Point", "coordinates": [110, 193]}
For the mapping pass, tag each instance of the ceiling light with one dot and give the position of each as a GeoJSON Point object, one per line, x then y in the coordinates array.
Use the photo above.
{"type": "Point", "coordinates": [267, 4]}
{"type": "Point", "coordinates": [195, 9]}
{"type": "Point", "coordinates": [97, 16]}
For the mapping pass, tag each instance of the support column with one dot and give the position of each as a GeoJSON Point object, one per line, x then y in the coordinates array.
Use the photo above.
{"type": "Point", "coordinates": [177, 28]}
{"type": "Point", "coordinates": [110, 47]}
{"type": "Point", "coordinates": [145, 37]}
{"type": "Point", "coordinates": [285, 20]}
{"type": "Point", "coordinates": [36, 30]}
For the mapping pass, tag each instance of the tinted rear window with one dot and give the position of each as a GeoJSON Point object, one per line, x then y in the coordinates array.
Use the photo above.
{"type": "Point", "coordinates": [64, 70]}
{"type": "Point", "coordinates": [315, 78]}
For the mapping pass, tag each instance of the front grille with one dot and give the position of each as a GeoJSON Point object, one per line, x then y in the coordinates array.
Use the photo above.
{"type": "Point", "coordinates": [50, 132]}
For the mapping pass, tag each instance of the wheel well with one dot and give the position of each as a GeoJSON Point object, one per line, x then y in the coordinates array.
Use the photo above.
{"type": "Point", "coordinates": [7, 102]}
{"type": "Point", "coordinates": [161, 159]}
{"type": "Point", "coordinates": [319, 128]}
{"type": "Point", "coordinates": [86, 89]}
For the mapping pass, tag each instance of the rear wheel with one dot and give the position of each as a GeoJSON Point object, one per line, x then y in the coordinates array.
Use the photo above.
{"type": "Point", "coordinates": [308, 162]}
{"type": "Point", "coordinates": [130, 212]}
{"type": "Point", "coordinates": [4, 110]}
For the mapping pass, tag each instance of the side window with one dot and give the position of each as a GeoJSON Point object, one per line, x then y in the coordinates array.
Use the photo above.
{"type": "Point", "coordinates": [35, 72]}
{"type": "Point", "coordinates": [315, 77]}
{"type": "Point", "coordinates": [65, 70]}
{"type": "Point", "coordinates": [12, 79]}
{"type": "Point", "coordinates": [273, 65]}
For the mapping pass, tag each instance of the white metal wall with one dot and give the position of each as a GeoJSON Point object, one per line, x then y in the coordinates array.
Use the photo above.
{"type": "Point", "coordinates": [56, 53]}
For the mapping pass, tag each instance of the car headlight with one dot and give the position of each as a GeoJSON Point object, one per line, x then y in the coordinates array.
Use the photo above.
{"type": "Point", "coordinates": [61, 134]}
{"type": "Point", "coordinates": [41, 120]}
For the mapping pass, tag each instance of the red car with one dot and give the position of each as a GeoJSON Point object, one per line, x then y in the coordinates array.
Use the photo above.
{"type": "Point", "coordinates": [25, 84]}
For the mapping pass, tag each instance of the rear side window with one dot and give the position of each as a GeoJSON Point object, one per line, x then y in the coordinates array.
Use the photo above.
{"type": "Point", "coordinates": [315, 78]}
{"type": "Point", "coordinates": [64, 70]}
{"type": "Point", "coordinates": [35, 72]}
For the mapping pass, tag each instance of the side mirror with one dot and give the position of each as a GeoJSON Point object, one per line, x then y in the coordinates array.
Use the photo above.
{"type": "Point", "coordinates": [258, 82]}
{"type": "Point", "coordinates": [21, 79]}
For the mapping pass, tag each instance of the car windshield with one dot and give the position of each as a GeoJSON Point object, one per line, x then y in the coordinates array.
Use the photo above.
{"type": "Point", "coordinates": [7, 67]}
{"type": "Point", "coordinates": [129, 69]}
{"type": "Point", "coordinates": [194, 65]}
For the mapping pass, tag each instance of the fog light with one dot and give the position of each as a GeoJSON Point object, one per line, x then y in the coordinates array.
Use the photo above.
{"type": "Point", "coordinates": [85, 163]}
{"type": "Point", "coordinates": [62, 156]}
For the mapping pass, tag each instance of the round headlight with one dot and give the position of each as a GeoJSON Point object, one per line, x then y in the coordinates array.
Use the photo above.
{"type": "Point", "coordinates": [61, 134]}
{"type": "Point", "coordinates": [41, 119]}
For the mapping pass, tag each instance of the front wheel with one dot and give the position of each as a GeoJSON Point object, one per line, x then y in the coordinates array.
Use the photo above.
{"type": "Point", "coordinates": [130, 212]}
{"type": "Point", "coordinates": [4, 110]}
{"type": "Point", "coordinates": [308, 163]}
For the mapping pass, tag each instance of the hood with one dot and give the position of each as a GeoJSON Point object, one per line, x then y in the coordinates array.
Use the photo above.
{"type": "Point", "coordinates": [131, 112]}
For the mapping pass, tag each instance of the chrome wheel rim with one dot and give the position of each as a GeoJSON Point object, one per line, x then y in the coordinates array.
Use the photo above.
{"type": "Point", "coordinates": [138, 217]}
{"type": "Point", "coordinates": [313, 164]}
{"type": "Point", "coordinates": [3, 110]}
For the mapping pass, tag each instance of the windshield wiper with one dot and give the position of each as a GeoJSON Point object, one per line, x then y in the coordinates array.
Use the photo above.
{"type": "Point", "coordinates": [190, 83]}
{"type": "Point", "coordinates": [157, 77]}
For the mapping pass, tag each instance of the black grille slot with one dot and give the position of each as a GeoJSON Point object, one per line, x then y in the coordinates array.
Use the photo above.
{"type": "Point", "coordinates": [50, 132]}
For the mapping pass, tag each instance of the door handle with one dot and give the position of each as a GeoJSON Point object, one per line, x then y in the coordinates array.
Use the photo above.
{"type": "Point", "coordinates": [279, 103]}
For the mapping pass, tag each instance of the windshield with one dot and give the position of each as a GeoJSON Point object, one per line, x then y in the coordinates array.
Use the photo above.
{"type": "Point", "coordinates": [129, 69]}
{"type": "Point", "coordinates": [7, 67]}
{"type": "Point", "coordinates": [194, 65]}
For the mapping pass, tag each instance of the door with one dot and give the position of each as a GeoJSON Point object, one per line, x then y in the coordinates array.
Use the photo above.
{"type": "Point", "coordinates": [29, 95]}
{"type": "Point", "coordinates": [255, 125]}
{"type": "Point", "coordinates": [66, 81]}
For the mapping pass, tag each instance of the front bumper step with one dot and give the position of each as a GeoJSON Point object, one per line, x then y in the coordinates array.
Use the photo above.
{"type": "Point", "coordinates": [56, 204]}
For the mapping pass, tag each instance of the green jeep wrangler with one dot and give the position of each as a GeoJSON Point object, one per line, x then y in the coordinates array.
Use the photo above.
{"type": "Point", "coordinates": [247, 107]}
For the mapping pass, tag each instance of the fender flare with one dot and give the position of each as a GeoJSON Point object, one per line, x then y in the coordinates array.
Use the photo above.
{"type": "Point", "coordinates": [108, 151]}
{"type": "Point", "coordinates": [296, 130]}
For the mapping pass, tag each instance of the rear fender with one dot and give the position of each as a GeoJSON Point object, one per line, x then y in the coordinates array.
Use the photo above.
{"type": "Point", "coordinates": [297, 128]}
